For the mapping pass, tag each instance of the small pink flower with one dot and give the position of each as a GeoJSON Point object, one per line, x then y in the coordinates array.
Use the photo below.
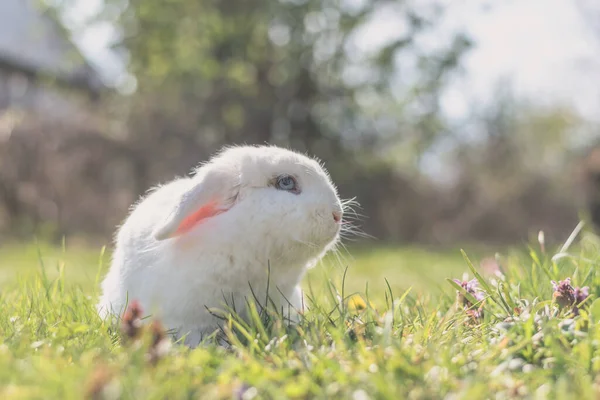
{"type": "Point", "coordinates": [471, 287]}
{"type": "Point", "coordinates": [566, 295]}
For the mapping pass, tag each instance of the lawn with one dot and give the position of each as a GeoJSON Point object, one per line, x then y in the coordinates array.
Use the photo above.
{"type": "Point", "coordinates": [384, 323]}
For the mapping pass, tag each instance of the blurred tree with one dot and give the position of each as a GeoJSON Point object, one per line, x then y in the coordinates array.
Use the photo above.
{"type": "Point", "coordinates": [287, 72]}
{"type": "Point", "coordinates": [296, 73]}
{"type": "Point", "coordinates": [355, 83]}
{"type": "Point", "coordinates": [513, 174]}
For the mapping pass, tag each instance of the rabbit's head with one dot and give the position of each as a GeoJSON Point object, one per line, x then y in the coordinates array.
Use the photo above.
{"type": "Point", "coordinates": [278, 201]}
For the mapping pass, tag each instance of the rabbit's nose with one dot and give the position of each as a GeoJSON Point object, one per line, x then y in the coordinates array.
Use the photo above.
{"type": "Point", "coordinates": [337, 216]}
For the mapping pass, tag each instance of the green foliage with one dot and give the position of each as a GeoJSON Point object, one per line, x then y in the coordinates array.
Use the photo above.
{"type": "Point", "coordinates": [374, 344]}
{"type": "Point", "coordinates": [288, 72]}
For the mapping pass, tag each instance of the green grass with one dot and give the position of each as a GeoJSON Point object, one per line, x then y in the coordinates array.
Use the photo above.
{"type": "Point", "coordinates": [394, 343]}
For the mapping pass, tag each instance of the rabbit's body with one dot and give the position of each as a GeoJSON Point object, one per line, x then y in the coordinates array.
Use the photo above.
{"type": "Point", "coordinates": [228, 236]}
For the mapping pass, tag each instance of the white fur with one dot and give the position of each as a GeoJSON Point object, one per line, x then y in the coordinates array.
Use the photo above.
{"type": "Point", "coordinates": [176, 276]}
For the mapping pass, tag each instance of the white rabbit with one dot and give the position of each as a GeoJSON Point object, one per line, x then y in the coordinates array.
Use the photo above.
{"type": "Point", "coordinates": [251, 218]}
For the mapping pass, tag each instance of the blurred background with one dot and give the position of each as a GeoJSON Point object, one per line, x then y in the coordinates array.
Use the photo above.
{"type": "Point", "coordinates": [450, 121]}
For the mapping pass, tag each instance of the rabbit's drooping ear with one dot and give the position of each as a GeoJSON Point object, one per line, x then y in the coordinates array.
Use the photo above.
{"type": "Point", "coordinates": [214, 192]}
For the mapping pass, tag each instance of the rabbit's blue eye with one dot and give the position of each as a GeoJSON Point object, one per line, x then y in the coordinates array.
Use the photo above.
{"type": "Point", "coordinates": [287, 182]}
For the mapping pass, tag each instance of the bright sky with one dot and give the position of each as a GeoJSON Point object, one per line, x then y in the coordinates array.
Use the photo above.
{"type": "Point", "coordinates": [543, 46]}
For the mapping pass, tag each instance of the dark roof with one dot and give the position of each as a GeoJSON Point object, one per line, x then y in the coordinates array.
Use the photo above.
{"type": "Point", "coordinates": [33, 40]}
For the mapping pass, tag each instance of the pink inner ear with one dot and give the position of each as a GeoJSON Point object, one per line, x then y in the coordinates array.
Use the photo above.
{"type": "Point", "coordinates": [206, 211]}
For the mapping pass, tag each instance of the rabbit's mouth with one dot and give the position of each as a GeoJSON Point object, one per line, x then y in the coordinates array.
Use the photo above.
{"type": "Point", "coordinates": [330, 235]}
{"type": "Point", "coordinates": [319, 238]}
